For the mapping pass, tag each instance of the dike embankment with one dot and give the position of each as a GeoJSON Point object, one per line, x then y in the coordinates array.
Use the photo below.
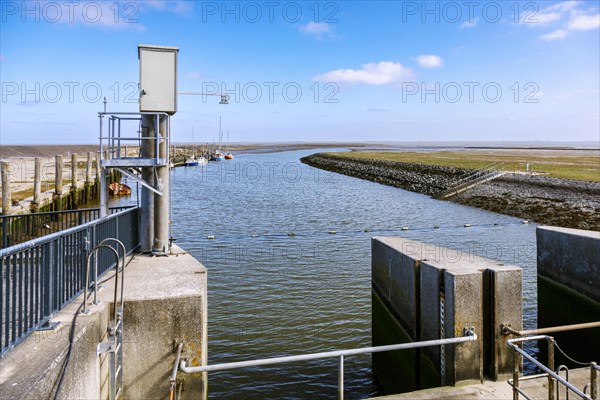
{"type": "Point", "coordinates": [544, 200]}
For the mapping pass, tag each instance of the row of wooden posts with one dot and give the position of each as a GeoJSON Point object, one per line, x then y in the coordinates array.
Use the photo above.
{"type": "Point", "coordinates": [90, 181]}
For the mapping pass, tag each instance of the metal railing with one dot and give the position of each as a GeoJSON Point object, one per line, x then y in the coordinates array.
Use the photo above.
{"type": "Point", "coordinates": [472, 178]}
{"type": "Point", "coordinates": [20, 228]}
{"type": "Point", "coordinates": [552, 376]}
{"type": "Point", "coordinates": [468, 336]}
{"type": "Point", "coordinates": [41, 276]}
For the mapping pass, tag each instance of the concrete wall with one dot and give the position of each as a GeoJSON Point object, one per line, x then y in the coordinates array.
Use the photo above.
{"type": "Point", "coordinates": [165, 301]}
{"type": "Point", "coordinates": [431, 292]}
{"type": "Point", "coordinates": [569, 287]}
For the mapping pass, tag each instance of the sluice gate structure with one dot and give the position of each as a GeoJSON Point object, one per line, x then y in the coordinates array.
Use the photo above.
{"type": "Point", "coordinates": [111, 309]}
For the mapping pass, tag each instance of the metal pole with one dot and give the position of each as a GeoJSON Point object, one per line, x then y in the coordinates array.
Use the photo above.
{"type": "Point", "coordinates": [594, 380]}
{"type": "Point", "coordinates": [341, 379]}
{"type": "Point", "coordinates": [506, 330]}
{"type": "Point", "coordinates": [161, 203]}
{"type": "Point", "coordinates": [103, 192]}
{"type": "Point", "coordinates": [6, 195]}
{"type": "Point", "coordinates": [147, 197]}
{"type": "Point", "coordinates": [516, 367]}
{"type": "Point", "coordinates": [551, 394]}
{"type": "Point", "coordinates": [470, 337]}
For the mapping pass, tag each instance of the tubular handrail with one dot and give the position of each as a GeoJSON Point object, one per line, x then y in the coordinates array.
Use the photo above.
{"type": "Point", "coordinates": [514, 383]}
{"type": "Point", "coordinates": [507, 330]}
{"type": "Point", "coordinates": [469, 336]}
{"type": "Point", "coordinates": [87, 274]}
{"type": "Point", "coordinates": [122, 246]}
{"type": "Point", "coordinates": [20, 228]}
{"type": "Point", "coordinates": [48, 238]}
{"type": "Point", "coordinates": [41, 276]}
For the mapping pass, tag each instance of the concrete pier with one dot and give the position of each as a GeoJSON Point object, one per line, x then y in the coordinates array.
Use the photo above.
{"type": "Point", "coordinates": [165, 301]}
{"type": "Point", "coordinates": [425, 292]}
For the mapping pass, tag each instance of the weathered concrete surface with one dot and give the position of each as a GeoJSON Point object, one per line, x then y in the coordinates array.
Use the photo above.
{"type": "Point", "coordinates": [31, 369]}
{"type": "Point", "coordinates": [570, 257]}
{"type": "Point", "coordinates": [435, 292]}
{"type": "Point", "coordinates": [569, 288]}
{"type": "Point", "coordinates": [165, 300]}
{"type": "Point", "coordinates": [536, 388]}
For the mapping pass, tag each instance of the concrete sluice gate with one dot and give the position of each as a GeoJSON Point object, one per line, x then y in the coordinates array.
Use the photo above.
{"type": "Point", "coordinates": [423, 292]}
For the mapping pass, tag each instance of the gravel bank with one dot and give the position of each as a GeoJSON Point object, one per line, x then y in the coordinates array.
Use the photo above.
{"type": "Point", "coordinates": [544, 200]}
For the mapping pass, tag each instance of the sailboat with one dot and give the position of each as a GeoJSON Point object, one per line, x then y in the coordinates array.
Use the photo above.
{"type": "Point", "coordinates": [228, 156]}
{"type": "Point", "coordinates": [191, 161]}
{"type": "Point", "coordinates": [218, 155]}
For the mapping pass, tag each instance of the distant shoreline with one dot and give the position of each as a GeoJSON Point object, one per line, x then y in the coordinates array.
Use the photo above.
{"type": "Point", "coordinates": [50, 150]}
{"type": "Point", "coordinates": [552, 201]}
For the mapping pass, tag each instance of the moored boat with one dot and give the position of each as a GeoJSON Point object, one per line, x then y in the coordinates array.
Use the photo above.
{"type": "Point", "coordinates": [191, 162]}
{"type": "Point", "coordinates": [119, 189]}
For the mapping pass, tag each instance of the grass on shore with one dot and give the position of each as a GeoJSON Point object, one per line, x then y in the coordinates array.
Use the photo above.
{"type": "Point", "coordinates": [584, 168]}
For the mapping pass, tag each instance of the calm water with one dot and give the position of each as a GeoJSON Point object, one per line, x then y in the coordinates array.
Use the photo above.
{"type": "Point", "coordinates": [273, 294]}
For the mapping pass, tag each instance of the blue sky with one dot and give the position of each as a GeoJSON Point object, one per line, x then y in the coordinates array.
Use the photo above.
{"type": "Point", "coordinates": [310, 71]}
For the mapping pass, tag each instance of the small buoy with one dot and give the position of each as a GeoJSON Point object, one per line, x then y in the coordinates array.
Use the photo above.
{"type": "Point", "coordinates": [291, 234]}
{"type": "Point", "coordinates": [467, 225]}
{"type": "Point", "coordinates": [210, 237]}
{"type": "Point", "coordinates": [436, 227]}
{"type": "Point", "coordinates": [405, 228]}
{"type": "Point", "coordinates": [332, 232]}
{"type": "Point", "coordinates": [525, 222]}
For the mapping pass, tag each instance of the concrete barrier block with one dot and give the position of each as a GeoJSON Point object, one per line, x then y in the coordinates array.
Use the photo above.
{"type": "Point", "coordinates": [505, 306]}
{"type": "Point", "coordinates": [430, 329]}
{"type": "Point", "coordinates": [570, 257]}
{"type": "Point", "coordinates": [395, 272]}
{"type": "Point", "coordinates": [463, 309]}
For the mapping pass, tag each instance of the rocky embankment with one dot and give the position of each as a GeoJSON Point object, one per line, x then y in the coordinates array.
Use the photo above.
{"type": "Point", "coordinates": [550, 201]}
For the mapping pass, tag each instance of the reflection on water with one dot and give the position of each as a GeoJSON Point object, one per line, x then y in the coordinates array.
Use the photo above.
{"type": "Point", "coordinates": [281, 282]}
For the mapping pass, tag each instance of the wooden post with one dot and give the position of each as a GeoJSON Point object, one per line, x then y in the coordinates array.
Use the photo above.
{"type": "Point", "coordinates": [73, 195]}
{"type": "Point", "coordinates": [37, 182]}
{"type": "Point", "coordinates": [6, 197]}
{"type": "Point", "coordinates": [73, 171]}
{"type": "Point", "coordinates": [88, 169]}
{"type": "Point", "coordinates": [58, 182]}
{"type": "Point", "coordinates": [98, 166]}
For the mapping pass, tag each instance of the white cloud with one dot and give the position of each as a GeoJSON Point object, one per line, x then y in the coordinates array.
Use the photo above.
{"type": "Point", "coordinates": [382, 73]}
{"type": "Point", "coordinates": [555, 35]}
{"type": "Point", "coordinates": [578, 19]}
{"type": "Point", "coordinates": [316, 29]}
{"type": "Point", "coordinates": [470, 23]}
{"type": "Point", "coordinates": [584, 22]}
{"type": "Point", "coordinates": [430, 61]}
{"type": "Point", "coordinates": [543, 18]}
